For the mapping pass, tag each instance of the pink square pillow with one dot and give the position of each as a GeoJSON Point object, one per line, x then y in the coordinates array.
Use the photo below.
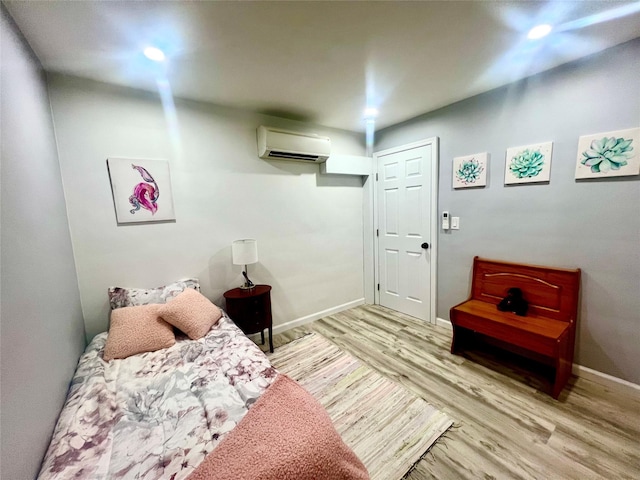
{"type": "Point", "coordinates": [191, 312]}
{"type": "Point", "coordinates": [137, 330]}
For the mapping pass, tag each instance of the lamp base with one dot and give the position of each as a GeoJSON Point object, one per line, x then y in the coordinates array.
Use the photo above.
{"type": "Point", "coordinates": [248, 284]}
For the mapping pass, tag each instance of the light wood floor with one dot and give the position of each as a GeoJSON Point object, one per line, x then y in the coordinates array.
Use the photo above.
{"type": "Point", "coordinates": [506, 427]}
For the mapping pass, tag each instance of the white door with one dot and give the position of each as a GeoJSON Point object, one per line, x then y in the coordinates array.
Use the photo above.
{"type": "Point", "coordinates": [406, 231]}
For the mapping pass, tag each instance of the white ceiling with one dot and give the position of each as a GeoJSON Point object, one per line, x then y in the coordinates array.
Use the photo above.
{"type": "Point", "coordinates": [320, 62]}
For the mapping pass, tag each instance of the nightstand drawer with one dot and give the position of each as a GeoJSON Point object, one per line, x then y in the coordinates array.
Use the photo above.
{"type": "Point", "coordinates": [252, 325]}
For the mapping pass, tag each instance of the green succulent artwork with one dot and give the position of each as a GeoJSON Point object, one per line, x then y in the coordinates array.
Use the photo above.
{"type": "Point", "coordinates": [527, 163]}
{"type": "Point", "coordinates": [608, 153]}
{"type": "Point", "coordinates": [469, 171]}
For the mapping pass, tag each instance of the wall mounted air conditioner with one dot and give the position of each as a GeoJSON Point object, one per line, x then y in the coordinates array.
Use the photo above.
{"type": "Point", "coordinates": [275, 143]}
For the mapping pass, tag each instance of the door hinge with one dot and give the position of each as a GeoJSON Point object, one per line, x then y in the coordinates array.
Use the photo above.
{"type": "Point", "coordinates": [377, 232]}
{"type": "Point", "coordinates": [376, 177]}
{"type": "Point", "coordinates": [378, 287]}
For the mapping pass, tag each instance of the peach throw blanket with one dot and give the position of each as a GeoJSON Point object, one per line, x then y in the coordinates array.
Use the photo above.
{"type": "Point", "coordinates": [286, 435]}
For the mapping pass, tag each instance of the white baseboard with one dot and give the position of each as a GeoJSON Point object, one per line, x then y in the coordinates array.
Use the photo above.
{"type": "Point", "coordinates": [313, 317]}
{"type": "Point", "coordinates": [603, 378]}
{"type": "Point", "coordinates": [441, 322]}
{"type": "Point", "coordinates": [578, 370]}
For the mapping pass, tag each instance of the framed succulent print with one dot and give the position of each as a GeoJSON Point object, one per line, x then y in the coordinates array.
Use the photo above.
{"type": "Point", "coordinates": [609, 154]}
{"type": "Point", "coordinates": [528, 164]}
{"type": "Point", "coordinates": [141, 190]}
{"type": "Point", "coordinates": [470, 170]}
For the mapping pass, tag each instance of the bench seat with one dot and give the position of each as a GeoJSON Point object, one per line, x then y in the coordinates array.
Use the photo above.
{"type": "Point", "coordinates": [536, 333]}
{"type": "Point", "coordinates": [547, 332]}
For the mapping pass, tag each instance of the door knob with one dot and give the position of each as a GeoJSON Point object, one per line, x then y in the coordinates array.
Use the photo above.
{"type": "Point", "coordinates": [425, 245]}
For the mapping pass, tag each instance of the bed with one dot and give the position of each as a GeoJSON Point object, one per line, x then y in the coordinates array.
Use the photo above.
{"type": "Point", "coordinates": [209, 407]}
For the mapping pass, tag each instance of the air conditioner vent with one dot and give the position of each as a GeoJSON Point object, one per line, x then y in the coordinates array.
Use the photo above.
{"type": "Point", "coordinates": [294, 156]}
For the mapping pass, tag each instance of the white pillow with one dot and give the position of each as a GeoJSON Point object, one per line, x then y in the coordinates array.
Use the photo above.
{"type": "Point", "coordinates": [120, 297]}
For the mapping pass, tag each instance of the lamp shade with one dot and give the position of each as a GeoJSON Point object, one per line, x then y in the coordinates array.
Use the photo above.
{"type": "Point", "coordinates": [244, 252]}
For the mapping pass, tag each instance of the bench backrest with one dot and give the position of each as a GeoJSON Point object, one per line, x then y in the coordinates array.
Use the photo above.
{"type": "Point", "coordinates": [551, 292]}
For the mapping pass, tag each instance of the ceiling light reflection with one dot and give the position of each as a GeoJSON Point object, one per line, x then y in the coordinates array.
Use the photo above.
{"type": "Point", "coordinates": [155, 54]}
{"type": "Point", "coordinates": [370, 112]}
{"type": "Point", "coordinates": [539, 31]}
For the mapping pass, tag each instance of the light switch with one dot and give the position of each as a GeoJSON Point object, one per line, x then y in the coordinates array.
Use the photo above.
{"type": "Point", "coordinates": [455, 223]}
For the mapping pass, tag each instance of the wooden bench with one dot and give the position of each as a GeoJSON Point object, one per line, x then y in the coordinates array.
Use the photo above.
{"type": "Point", "coordinates": [546, 333]}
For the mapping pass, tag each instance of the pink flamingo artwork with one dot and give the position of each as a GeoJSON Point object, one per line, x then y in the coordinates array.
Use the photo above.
{"type": "Point", "coordinates": [145, 194]}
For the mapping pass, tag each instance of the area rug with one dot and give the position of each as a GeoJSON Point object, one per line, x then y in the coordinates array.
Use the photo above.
{"type": "Point", "coordinates": [388, 427]}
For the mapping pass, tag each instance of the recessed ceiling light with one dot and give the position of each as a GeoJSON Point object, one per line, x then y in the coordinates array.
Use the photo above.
{"type": "Point", "coordinates": [370, 112]}
{"type": "Point", "coordinates": [539, 31]}
{"type": "Point", "coordinates": [155, 54]}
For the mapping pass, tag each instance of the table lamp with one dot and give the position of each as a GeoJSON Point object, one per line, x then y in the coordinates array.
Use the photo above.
{"type": "Point", "coordinates": [245, 252]}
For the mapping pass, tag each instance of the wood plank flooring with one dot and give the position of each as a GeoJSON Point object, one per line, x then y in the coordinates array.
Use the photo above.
{"type": "Point", "coordinates": [506, 427]}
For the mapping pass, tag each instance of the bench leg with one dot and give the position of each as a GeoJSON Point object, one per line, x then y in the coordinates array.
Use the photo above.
{"type": "Point", "coordinates": [563, 366]}
{"type": "Point", "coordinates": [458, 339]}
{"type": "Point", "coordinates": [453, 340]}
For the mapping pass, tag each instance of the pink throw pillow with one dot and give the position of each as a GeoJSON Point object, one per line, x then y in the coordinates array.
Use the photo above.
{"type": "Point", "coordinates": [191, 312]}
{"type": "Point", "coordinates": [136, 330]}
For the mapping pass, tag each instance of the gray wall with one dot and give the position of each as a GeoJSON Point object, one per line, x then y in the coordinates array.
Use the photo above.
{"type": "Point", "coordinates": [42, 331]}
{"type": "Point", "coordinates": [594, 225]}
{"type": "Point", "coordinates": [308, 226]}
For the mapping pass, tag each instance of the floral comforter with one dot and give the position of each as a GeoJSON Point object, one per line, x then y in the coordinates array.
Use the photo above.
{"type": "Point", "coordinates": [158, 414]}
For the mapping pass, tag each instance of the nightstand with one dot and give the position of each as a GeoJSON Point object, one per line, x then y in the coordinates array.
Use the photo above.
{"type": "Point", "coordinates": [250, 309]}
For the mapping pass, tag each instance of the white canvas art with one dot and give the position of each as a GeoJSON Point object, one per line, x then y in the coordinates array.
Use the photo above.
{"type": "Point", "coordinates": [609, 154]}
{"type": "Point", "coordinates": [470, 170]}
{"type": "Point", "coordinates": [141, 190]}
{"type": "Point", "coordinates": [528, 164]}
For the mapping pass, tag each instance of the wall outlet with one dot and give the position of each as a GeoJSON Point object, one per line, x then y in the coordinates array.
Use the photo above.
{"type": "Point", "coordinates": [455, 223]}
